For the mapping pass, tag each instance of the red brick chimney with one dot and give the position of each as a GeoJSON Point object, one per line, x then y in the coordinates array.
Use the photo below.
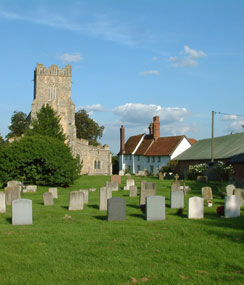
{"type": "Point", "coordinates": [156, 127]}
{"type": "Point", "coordinates": [150, 129]}
{"type": "Point", "coordinates": [122, 139]}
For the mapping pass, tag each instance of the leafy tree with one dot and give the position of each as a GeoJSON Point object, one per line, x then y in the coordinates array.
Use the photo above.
{"type": "Point", "coordinates": [18, 124]}
{"type": "Point", "coordinates": [87, 128]}
{"type": "Point", "coordinates": [1, 140]}
{"type": "Point", "coordinates": [40, 160]}
{"type": "Point", "coordinates": [47, 124]}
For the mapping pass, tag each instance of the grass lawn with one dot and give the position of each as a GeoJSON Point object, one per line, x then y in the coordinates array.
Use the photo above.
{"type": "Point", "coordinates": [86, 249]}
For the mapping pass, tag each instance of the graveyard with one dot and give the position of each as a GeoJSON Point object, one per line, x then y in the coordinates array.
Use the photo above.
{"type": "Point", "coordinates": [66, 245]}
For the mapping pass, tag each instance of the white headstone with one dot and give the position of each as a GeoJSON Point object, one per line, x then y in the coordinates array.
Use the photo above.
{"type": "Point", "coordinates": [103, 199]}
{"type": "Point", "coordinates": [232, 206]}
{"type": "Point", "coordinates": [121, 173]}
{"type": "Point", "coordinates": [86, 193]}
{"type": "Point", "coordinates": [31, 188]}
{"type": "Point", "coordinates": [155, 208]}
{"type": "Point", "coordinates": [2, 203]}
{"type": "Point", "coordinates": [54, 191]}
{"type": "Point", "coordinates": [196, 208]}
{"type": "Point", "coordinates": [22, 212]}
{"type": "Point", "coordinates": [129, 182]}
{"type": "Point", "coordinates": [76, 200]}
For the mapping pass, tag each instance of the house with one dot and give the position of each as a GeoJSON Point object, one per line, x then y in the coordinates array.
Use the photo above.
{"type": "Point", "coordinates": [229, 149]}
{"type": "Point", "coordinates": [150, 151]}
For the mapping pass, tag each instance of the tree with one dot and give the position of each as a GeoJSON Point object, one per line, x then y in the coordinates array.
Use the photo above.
{"type": "Point", "coordinates": [1, 140]}
{"type": "Point", "coordinates": [87, 128]}
{"type": "Point", "coordinates": [18, 124]}
{"type": "Point", "coordinates": [47, 123]}
{"type": "Point", "coordinates": [40, 160]}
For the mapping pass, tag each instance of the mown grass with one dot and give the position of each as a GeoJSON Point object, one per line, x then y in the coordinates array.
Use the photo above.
{"type": "Point", "coordinates": [81, 247]}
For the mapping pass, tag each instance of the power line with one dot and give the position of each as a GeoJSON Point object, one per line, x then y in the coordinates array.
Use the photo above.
{"type": "Point", "coordinates": [221, 113]}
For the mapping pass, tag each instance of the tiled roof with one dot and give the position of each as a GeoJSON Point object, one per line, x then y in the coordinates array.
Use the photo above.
{"type": "Point", "coordinates": [192, 141]}
{"type": "Point", "coordinates": [164, 146]}
{"type": "Point", "coordinates": [147, 141]}
{"type": "Point", "coordinates": [131, 143]}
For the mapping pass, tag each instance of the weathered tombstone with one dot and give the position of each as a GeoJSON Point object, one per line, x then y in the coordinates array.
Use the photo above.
{"type": "Point", "coordinates": [232, 206]}
{"type": "Point", "coordinates": [177, 199]}
{"type": "Point", "coordinates": [92, 189]}
{"type": "Point", "coordinates": [22, 212]}
{"type": "Point", "coordinates": [175, 186]}
{"type": "Point", "coordinates": [104, 195]}
{"type": "Point", "coordinates": [116, 209]}
{"type": "Point", "coordinates": [121, 173]}
{"type": "Point", "coordinates": [47, 199]}
{"type": "Point", "coordinates": [155, 208]}
{"type": "Point", "coordinates": [12, 193]}
{"type": "Point", "coordinates": [202, 178]}
{"type": "Point", "coordinates": [145, 192]}
{"type": "Point", "coordinates": [207, 193]}
{"type": "Point", "coordinates": [54, 191]}
{"type": "Point", "coordinates": [240, 192]}
{"type": "Point", "coordinates": [31, 188]}
{"type": "Point", "coordinates": [140, 173]}
{"type": "Point", "coordinates": [230, 189]}
{"type": "Point", "coordinates": [127, 174]}
{"type": "Point", "coordinates": [161, 175]}
{"type": "Point", "coordinates": [112, 185]}
{"type": "Point", "coordinates": [76, 200]}
{"type": "Point", "coordinates": [86, 193]}
{"type": "Point", "coordinates": [129, 182]}
{"type": "Point", "coordinates": [133, 191]}
{"type": "Point", "coordinates": [195, 208]}
{"type": "Point", "coordinates": [2, 203]}
{"type": "Point", "coordinates": [14, 183]}
{"type": "Point", "coordinates": [116, 178]}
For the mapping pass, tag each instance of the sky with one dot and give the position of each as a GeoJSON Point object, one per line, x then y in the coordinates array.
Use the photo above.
{"type": "Point", "coordinates": [131, 60]}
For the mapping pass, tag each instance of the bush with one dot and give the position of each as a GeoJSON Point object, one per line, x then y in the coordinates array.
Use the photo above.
{"type": "Point", "coordinates": [38, 160]}
{"type": "Point", "coordinates": [223, 170]}
{"type": "Point", "coordinates": [197, 170]}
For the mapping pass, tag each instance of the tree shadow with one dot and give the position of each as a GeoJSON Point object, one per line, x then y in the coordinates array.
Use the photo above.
{"type": "Point", "coordinates": [9, 220]}
{"type": "Point", "coordinates": [138, 216]}
{"type": "Point", "coordinates": [93, 206]}
{"type": "Point", "coordinates": [103, 218]}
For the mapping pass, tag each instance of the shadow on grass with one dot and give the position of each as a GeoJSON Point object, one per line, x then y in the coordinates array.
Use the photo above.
{"type": "Point", "coordinates": [9, 220]}
{"type": "Point", "coordinates": [103, 218]}
{"type": "Point", "coordinates": [138, 216]}
{"type": "Point", "coordinates": [133, 206]}
{"type": "Point", "coordinates": [65, 207]}
{"type": "Point", "coordinates": [93, 206]}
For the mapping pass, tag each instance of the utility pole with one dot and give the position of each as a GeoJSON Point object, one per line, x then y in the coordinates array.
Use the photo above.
{"type": "Point", "coordinates": [212, 139]}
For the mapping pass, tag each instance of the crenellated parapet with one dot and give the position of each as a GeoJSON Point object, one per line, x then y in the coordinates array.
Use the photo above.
{"type": "Point", "coordinates": [53, 70]}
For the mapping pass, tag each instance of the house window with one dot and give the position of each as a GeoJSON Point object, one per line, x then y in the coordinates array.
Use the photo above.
{"type": "Point", "coordinates": [159, 158]}
{"type": "Point", "coordinates": [153, 159]}
{"type": "Point", "coordinates": [138, 158]}
{"type": "Point", "coordinates": [130, 157]}
{"type": "Point", "coordinates": [148, 159]}
{"type": "Point", "coordinates": [151, 168]}
{"type": "Point", "coordinates": [138, 168]}
{"type": "Point", "coordinates": [129, 168]}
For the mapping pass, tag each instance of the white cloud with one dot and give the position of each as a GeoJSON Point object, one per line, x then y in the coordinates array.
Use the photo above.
{"type": "Point", "coordinates": [67, 58]}
{"type": "Point", "coordinates": [92, 108]}
{"type": "Point", "coordinates": [149, 72]}
{"type": "Point", "coordinates": [229, 118]}
{"type": "Point", "coordinates": [235, 127]}
{"type": "Point", "coordinates": [188, 58]}
{"type": "Point", "coordinates": [141, 113]}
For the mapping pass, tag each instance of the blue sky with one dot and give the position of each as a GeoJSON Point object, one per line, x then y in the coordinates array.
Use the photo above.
{"type": "Point", "coordinates": [131, 60]}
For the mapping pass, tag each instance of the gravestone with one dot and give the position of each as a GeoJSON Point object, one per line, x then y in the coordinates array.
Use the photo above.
{"type": "Point", "coordinates": [133, 191]}
{"type": "Point", "coordinates": [54, 191]}
{"type": "Point", "coordinates": [31, 188]}
{"type": "Point", "coordinates": [121, 173]}
{"type": "Point", "coordinates": [76, 200]}
{"type": "Point", "coordinates": [14, 183]}
{"type": "Point", "coordinates": [240, 192]}
{"type": "Point", "coordinates": [195, 208]}
{"type": "Point", "coordinates": [128, 174]}
{"type": "Point", "coordinates": [161, 175]}
{"type": "Point", "coordinates": [12, 193]}
{"type": "Point", "coordinates": [92, 189]}
{"type": "Point", "coordinates": [104, 195]}
{"type": "Point", "coordinates": [207, 193]}
{"type": "Point", "coordinates": [146, 191]}
{"type": "Point", "coordinates": [116, 209]}
{"type": "Point", "coordinates": [155, 208]}
{"type": "Point", "coordinates": [112, 185]}
{"type": "Point", "coordinates": [148, 185]}
{"type": "Point", "coordinates": [22, 212]}
{"type": "Point", "coordinates": [230, 189]}
{"type": "Point", "coordinates": [232, 206]}
{"type": "Point", "coordinates": [129, 182]}
{"type": "Point", "coordinates": [86, 193]}
{"type": "Point", "coordinates": [177, 199]}
{"type": "Point", "coordinates": [116, 178]}
{"type": "Point", "coordinates": [47, 199]}
{"type": "Point", "coordinates": [2, 202]}
{"type": "Point", "coordinates": [175, 186]}
{"type": "Point", "coordinates": [140, 173]}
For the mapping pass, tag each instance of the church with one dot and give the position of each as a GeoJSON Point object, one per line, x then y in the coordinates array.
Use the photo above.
{"type": "Point", "coordinates": [53, 86]}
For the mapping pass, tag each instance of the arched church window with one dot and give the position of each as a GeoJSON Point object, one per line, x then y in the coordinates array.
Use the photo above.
{"type": "Point", "coordinates": [98, 164]}
{"type": "Point", "coordinates": [95, 164]}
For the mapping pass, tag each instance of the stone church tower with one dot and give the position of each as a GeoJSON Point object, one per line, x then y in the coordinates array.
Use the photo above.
{"type": "Point", "coordinates": [53, 86]}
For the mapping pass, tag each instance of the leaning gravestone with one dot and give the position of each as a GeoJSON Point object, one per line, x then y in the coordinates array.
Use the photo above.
{"type": "Point", "coordinates": [47, 199]}
{"type": "Point", "coordinates": [31, 188]}
{"type": "Point", "coordinates": [112, 185]}
{"type": "Point", "coordinates": [12, 193]}
{"type": "Point", "coordinates": [232, 206]}
{"type": "Point", "coordinates": [230, 189]}
{"type": "Point", "coordinates": [2, 203]}
{"type": "Point", "coordinates": [175, 186]}
{"type": "Point", "coordinates": [240, 192]}
{"type": "Point", "coordinates": [207, 193]}
{"type": "Point", "coordinates": [116, 178]}
{"type": "Point", "coordinates": [129, 182]}
{"type": "Point", "coordinates": [76, 200]}
{"type": "Point", "coordinates": [105, 194]}
{"type": "Point", "coordinates": [116, 209]}
{"type": "Point", "coordinates": [155, 208]}
{"type": "Point", "coordinates": [86, 193]}
{"type": "Point", "coordinates": [195, 208]}
{"type": "Point", "coordinates": [133, 191]}
{"type": "Point", "coordinates": [54, 191]}
{"type": "Point", "coordinates": [22, 212]}
{"type": "Point", "coordinates": [121, 173]}
{"type": "Point", "coordinates": [177, 199]}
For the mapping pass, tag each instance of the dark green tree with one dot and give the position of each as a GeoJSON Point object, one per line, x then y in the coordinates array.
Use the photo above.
{"type": "Point", "coordinates": [87, 128]}
{"type": "Point", "coordinates": [47, 123]}
{"type": "Point", "coordinates": [1, 140]}
{"type": "Point", "coordinates": [18, 124]}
